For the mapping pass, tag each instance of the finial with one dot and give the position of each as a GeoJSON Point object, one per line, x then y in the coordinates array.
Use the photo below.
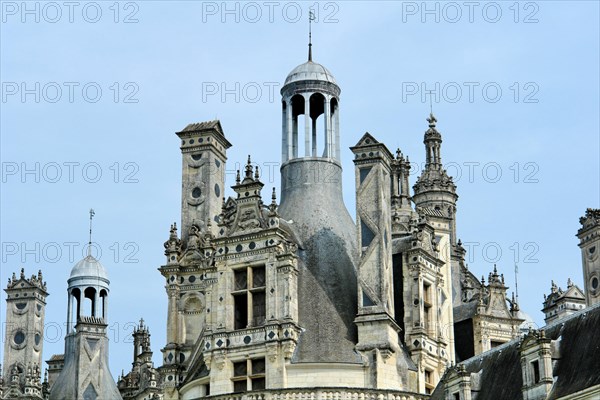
{"type": "Point", "coordinates": [249, 168]}
{"type": "Point", "coordinates": [22, 273]}
{"type": "Point", "coordinates": [495, 270]}
{"type": "Point", "coordinates": [432, 120]}
{"type": "Point", "coordinates": [237, 178]}
{"type": "Point", "coordinates": [256, 174]}
{"type": "Point", "coordinates": [173, 231]}
{"type": "Point", "coordinates": [274, 197]}
{"type": "Point", "coordinates": [482, 280]}
{"type": "Point", "coordinates": [569, 283]}
{"type": "Point", "coordinates": [398, 153]}
{"type": "Point", "coordinates": [92, 213]}
{"type": "Point", "coordinates": [311, 18]}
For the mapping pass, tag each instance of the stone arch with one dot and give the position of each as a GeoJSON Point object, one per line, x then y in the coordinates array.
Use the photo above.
{"type": "Point", "coordinates": [90, 294]}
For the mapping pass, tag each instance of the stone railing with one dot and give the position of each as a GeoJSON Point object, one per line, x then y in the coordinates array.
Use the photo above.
{"type": "Point", "coordinates": [324, 393]}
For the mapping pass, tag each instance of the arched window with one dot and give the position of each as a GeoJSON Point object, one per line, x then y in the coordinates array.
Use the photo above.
{"type": "Point", "coordinates": [298, 123]}
{"type": "Point", "coordinates": [90, 294]}
{"type": "Point", "coordinates": [317, 116]}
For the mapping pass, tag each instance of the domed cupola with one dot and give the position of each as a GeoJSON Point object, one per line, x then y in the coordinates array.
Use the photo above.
{"type": "Point", "coordinates": [88, 268]}
{"type": "Point", "coordinates": [310, 71]}
{"type": "Point", "coordinates": [310, 102]}
{"type": "Point", "coordinates": [88, 288]}
{"type": "Point", "coordinates": [88, 284]}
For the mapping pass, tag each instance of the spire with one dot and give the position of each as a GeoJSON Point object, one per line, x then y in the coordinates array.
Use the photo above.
{"type": "Point", "coordinates": [311, 17]}
{"type": "Point", "coordinates": [92, 213]}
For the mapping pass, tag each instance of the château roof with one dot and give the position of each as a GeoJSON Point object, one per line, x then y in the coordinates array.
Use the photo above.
{"type": "Point", "coordinates": [576, 368]}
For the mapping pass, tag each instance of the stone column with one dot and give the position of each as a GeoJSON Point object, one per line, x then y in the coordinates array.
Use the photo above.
{"type": "Point", "coordinates": [95, 304]}
{"type": "Point", "coordinates": [337, 132]}
{"type": "Point", "coordinates": [307, 125]}
{"type": "Point", "coordinates": [327, 128]}
{"type": "Point", "coordinates": [105, 309]}
{"type": "Point", "coordinates": [69, 311]}
{"type": "Point", "coordinates": [172, 324]}
{"type": "Point", "coordinates": [288, 131]}
{"type": "Point", "coordinates": [284, 133]}
{"type": "Point", "coordinates": [314, 137]}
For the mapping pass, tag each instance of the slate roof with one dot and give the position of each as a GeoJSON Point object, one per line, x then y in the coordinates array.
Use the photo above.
{"type": "Point", "coordinates": [203, 126]}
{"type": "Point", "coordinates": [465, 310]}
{"type": "Point", "coordinates": [56, 357]}
{"type": "Point", "coordinates": [578, 367]}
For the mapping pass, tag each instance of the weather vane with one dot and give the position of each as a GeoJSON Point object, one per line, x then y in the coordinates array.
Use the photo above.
{"type": "Point", "coordinates": [430, 92]}
{"type": "Point", "coordinates": [92, 213]}
{"type": "Point", "coordinates": [311, 18]}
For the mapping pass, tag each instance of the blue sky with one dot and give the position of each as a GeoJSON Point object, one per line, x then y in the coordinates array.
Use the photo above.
{"type": "Point", "coordinates": [517, 104]}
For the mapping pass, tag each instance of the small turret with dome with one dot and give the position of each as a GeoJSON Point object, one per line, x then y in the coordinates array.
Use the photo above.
{"type": "Point", "coordinates": [85, 373]}
{"type": "Point", "coordinates": [310, 91]}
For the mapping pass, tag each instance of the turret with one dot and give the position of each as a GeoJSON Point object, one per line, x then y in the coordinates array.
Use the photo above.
{"type": "Point", "coordinates": [86, 373]}
{"type": "Point", "coordinates": [312, 202]}
{"type": "Point", "coordinates": [24, 331]}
